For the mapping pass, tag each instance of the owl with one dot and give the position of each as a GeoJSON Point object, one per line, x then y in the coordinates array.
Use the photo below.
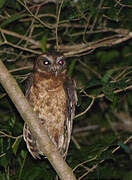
{"type": "Point", "coordinates": [52, 95]}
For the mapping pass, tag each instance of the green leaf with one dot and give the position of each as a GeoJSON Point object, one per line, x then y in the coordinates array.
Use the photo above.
{"type": "Point", "coordinates": [22, 162]}
{"type": "Point", "coordinates": [71, 67]}
{"type": "Point", "coordinates": [43, 43]}
{"type": "Point", "coordinates": [113, 13]}
{"type": "Point", "coordinates": [34, 173]}
{"type": "Point", "coordinates": [121, 84]}
{"type": "Point", "coordinates": [39, 170]}
{"type": "Point", "coordinates": [4, 161]}
{"type": "Point", "coordinates": [106, 57]}
{"type": "Point", "coordinates": [2, 2]}
{"type": "Point", "coordinates": [12, 19]}
{"type": "Point", "coordinates": [16, 145]}
{"type": "Point", "coordinates": [2, 176]}
{"type": "Point", "coordinates": [128, 176]}
{"type": "Point", "coordinates": [107, 75]}
{"type": "Point", "coordinates": [108, 92]}
{"type": "Point", "coordinates": [24, 154]}
{"type": "Point", "coordinates": [1, 145]}
{"type": "Point", "coordinates": [124, 147]}
{"type": "Point", "coordinates": [96, 92]}
{"type": "Point", "coordinates": [12, 121]}
{"type": "Point", "coordinates": [93, 83]}
{"type": "Point", "coordinates": [115, 101]}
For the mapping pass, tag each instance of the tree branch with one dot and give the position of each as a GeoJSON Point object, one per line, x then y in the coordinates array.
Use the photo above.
{"type": "Point", "coordinates": [29, 116]}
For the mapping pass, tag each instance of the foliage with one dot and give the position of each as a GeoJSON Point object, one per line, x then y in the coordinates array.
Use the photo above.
{"type": "Point", "coordinates": [95, 36]}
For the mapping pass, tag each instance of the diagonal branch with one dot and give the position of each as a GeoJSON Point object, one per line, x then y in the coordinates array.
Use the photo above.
{"type": "Point", "coordinates": [21, 103]}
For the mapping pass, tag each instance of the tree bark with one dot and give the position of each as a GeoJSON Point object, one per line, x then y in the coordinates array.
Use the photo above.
{"type": "Point", "coordinates": [29, 116]}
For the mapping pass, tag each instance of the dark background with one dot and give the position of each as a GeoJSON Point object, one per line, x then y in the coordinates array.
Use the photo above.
{"type": "Point", "coordinates": [96, 37]}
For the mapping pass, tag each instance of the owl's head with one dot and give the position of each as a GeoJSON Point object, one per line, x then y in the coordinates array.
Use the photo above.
{"type": "Point", "coordinates": [51, 63]}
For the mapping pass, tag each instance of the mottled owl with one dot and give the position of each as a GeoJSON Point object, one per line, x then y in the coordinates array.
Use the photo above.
{"type": "Point", "coordinates": [52, 95]}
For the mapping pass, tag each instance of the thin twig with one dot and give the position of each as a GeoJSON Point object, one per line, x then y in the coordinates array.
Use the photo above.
{"type": "Point", "coordinates": [38, 19]}
{"type": "Point", "coordinates": [103, 95]}
{"type": "Point", "coordinates": [86, 110]}
{"type": "Point", "coordinates": [57, 23]}
{"type": "Point", "coordinates": [23, 48]}
{"type": "Point", "coordinates": [9, 136]}
{"type": "Point", "coordinates": [20, 36]}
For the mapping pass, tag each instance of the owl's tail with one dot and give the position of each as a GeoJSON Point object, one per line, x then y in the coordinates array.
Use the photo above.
{"type": "Point", "coordinates": [30, 142]}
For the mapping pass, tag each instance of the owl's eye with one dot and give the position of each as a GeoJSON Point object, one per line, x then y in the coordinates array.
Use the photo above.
{"type": "Point", "coordinates": [61, 62]}
{"type": "Point", "coordinates": [46, 62]}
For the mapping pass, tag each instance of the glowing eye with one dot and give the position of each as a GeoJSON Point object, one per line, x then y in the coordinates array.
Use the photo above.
{"type": "Point", "coordinates": [46, 62]}
{"type": "Point", "coordinates": [61, 62]}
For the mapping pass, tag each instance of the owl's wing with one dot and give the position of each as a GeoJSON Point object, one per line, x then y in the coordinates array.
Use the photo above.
{"type": "Point", "coordinates": [31, 142]}
{"type": "Point", "coordinates": [28, 84]}
{"type": "Point", "coordinates": [69, 86]}
{"type": "Point", "coordinates": [27, 134]}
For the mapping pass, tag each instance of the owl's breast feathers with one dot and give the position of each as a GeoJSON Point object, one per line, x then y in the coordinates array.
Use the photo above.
{"type": "Point", "coordinates": [53, 99]}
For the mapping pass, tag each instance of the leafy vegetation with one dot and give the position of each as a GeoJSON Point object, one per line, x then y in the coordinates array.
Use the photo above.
{"type": "Point", "coordinates": [96, 38]}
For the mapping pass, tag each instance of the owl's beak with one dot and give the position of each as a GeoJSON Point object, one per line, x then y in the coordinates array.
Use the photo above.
{"type": "Point", "coordinates": [55, 70]}
{"type": "Point", "coordinates": [56, 73]}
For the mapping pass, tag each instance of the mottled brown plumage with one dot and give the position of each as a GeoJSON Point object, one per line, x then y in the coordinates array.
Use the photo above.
{"type": "Point", "coordinates": [52, 95]}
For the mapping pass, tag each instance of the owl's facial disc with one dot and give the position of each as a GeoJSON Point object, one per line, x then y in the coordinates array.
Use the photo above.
{"type": "Point", "coordinates": [58, 66]}
{"type": "Point", "coordinates": [48, 63]}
